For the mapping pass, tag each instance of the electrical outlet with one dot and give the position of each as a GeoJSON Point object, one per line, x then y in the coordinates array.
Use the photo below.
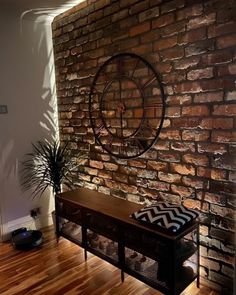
{"type": "Point", "coordinates": [3, 109]}
{"type": "Point", "coordinates": [35, 212]}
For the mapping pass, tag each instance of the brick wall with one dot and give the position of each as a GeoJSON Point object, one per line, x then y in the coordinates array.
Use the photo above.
{"type": "Point", "coordinates": [192, 45]}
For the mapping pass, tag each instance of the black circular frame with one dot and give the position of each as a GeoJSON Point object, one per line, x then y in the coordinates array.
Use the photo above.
{"type": "Point", "coordinates": [119, 77]}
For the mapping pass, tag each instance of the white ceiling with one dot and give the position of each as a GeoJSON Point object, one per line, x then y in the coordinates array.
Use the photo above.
{"type": "Point", "coordinates": [39, 10]}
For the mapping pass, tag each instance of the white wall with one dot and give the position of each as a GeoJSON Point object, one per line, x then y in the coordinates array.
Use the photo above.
{"type": "Point", "coordinates": [27, 87]}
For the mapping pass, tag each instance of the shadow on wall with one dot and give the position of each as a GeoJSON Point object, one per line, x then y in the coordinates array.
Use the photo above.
{"type": "Point", "coordinates": [29, 91]}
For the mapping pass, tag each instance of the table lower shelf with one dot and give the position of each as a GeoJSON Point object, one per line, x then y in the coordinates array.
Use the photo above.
{"type": "Point", "coordinates": [147, 271]}
{"type": "Point", "coordinates": [170, 274]}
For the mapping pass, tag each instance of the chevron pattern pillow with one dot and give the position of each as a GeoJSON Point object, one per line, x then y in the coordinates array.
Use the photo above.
{"type": "Point", "coordinates": [169, 216]}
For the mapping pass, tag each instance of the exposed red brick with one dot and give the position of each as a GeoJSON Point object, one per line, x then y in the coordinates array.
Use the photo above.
{"type": "Point", "coordinates": [162, 145]}
{"type": "Point", "coordinates": [83, 21]}
{"type": "Point", "coordinates": [196, 159]}
{"type": "Point", "coordinates": [182, 191]}
{"type": "Point", "coordinates": [147, 174]}
{"type": "Point", "coordinates": [186, 123]}
{"type": "Point", "coordinates": [178, 99]}
{"type": "Point", "coordinates": [216, 84]}
{"type": "Point", "coordinates": [111, 166]}
{"type": "Point", "coordinates": [173, 77]}
{"type": "Point", "coordinates": [142, 49]}
{"type": "Point", "coordinates": [166, 197]}
{"type": "Point", "coordinates": [226, 41]}
{"type": "Point", "coordinates": [68, 130]}
{"type": "Point", "coordinates": [223, 70]}
{"type": "Point", "coordinates": [173, 112]}
{"type": "Point", "coordinates": [183, 169]}
{"type": "Point", "coordinates": [104, 174]}
{"type": "Point", "coordinates": [148, 14]}
{"type": "Point", "coordinates": [228, 13]}
{"type": "Point", "coordinates": [190, 11]}
{"type": "Point", "coordinates": [57, 32]}
{"type": "Point", "coordinates": [158, 185]}
{"type": "Point", "coordinates": [120, 177]}
{"type": "Point", "coordinates": [223, 136]}
{"type": "Point", "coordinates": [128, 170]}
{"type": "Point", "coordinates": [217, 57]}
{"type": "Point", "coordinates": [97, 180]}
{"type": "Point", "coordinates": [128, 43]}
{"type": "Point", "coordinates": [190, 45]}
{"type": "Point", "coordinates": [219, 123]}
{"type": "Point", "coordinates": [211, 264]}
{"type": "Point", "coordinates": [188, 87]}
{"type": "Point", "coordinates": [119, 15]}
{"type": "Point", "coordinates": [68, 28]}
{"type": "Point", "coordinates": [186, 63]}
{"type": "Point", "coordinates": [200, 74]}
{"type": "Point", "coordinates": [222, 211]}
{"type": "Point", "coordinates": [200, 21]}
{"type": "Point", "coordinates": [124, 24]}
{"type": "Point", "coordinates": [170, 134]}
{"type": "Point", "coordinates": [232, 68]}
{"type": "Point", "coordinates": [172, 53]}
{"type": "Point", "coordinates": [169, 156]}
{"type": "Point", "coordinates": [232, 176]}
{"type": "Point", "coordinates": [209, 97]}
{"type": "Point", "coordinates": [159, 166]}
{"type": "Point", "coordinates": [155, 2]}
{"type": "Point", "coordinates": [220, 29]}
{"type": "Point", "coordinates": [91, 171]}
{"type": "Point", "coordinates": [200, 47]}
{"type": "Point", "coordinates": [169, 177]}
{"type": "Point", "coordinates": [151, 35]}
{"type": "Point", "coordinates": [172, 5]}
{"type": "Point", "coordinates": [200, 110]}
{"type": "Point", "coordinates": [196, 205]}
{"type": "Point", "coordinates": [195, 135]}
{"type": "Point", "coordinates": [112, 8]}
{"type": "Point", "coordinates": [96, 164]}
{"type": "Point", "coordinates": [137, 163]}
{"type": "Point", "coordinates": [124, 3]}
{"type": "Point", "coordinates": [192, 36]}
{"type": "Point", "coordinates": [204, 230]}
{"type": "Point", "coordinates": [231, 95]}
{"type": "Point", "coordinates": [149, 193]}
{"type": "Point", "coordinates": [164, 67]}
{"type": "Point", "coordinates": [138, 7]}
{"type": "Point", "coordinates": [139, 29]}
{"type": "Point", "coordinates": [112, 184]}
{"type": "Point", "coordinates": [212, 148]}
{"type": "Point", "coordinates": [162, 21]}
{"type": "Point", "coordinates": [173, 29]}
{"type": "Point", "coordinates": [194, 182]}
{"type": "Point", "coordinates": [222, 187]}
{"type": "Point", "coordinates": [101, 3]}
{"type": "Point", "coordinates": [183, 146]}
{"type": "Point", "coordinates": [225, 110]}
{"type": "Point", "coordinates": [165, 43]}
{"type": "Point", "coordinates": [65, 115]}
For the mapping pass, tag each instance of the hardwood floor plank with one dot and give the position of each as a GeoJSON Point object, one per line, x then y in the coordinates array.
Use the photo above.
{"type": "Point", "coordinates": [60, 269]}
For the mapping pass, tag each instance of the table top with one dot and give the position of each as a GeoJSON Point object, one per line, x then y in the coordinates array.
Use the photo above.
{"type": "Point", "coordinates": [116, 208]}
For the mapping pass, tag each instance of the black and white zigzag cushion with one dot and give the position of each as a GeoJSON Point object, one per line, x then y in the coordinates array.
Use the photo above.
{"type": "Point", "coordinates": [171, 217]}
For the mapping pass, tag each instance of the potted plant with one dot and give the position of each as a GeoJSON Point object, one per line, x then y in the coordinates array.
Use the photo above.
{"type": "Point", "coordinates": [49, 165]}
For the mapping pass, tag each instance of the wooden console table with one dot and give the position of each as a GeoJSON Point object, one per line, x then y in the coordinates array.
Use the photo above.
{"type": "Point", "coordinates": [102, 225]}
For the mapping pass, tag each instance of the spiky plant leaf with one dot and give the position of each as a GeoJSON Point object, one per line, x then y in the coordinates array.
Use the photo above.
{"type": "Point", "coordinates": [49, 165]}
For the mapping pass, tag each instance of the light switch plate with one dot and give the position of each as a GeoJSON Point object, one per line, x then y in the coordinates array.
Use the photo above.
{"type": "Point", "coordinates": [3, 109]}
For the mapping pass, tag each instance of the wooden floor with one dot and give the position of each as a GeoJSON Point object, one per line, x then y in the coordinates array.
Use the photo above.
{"type": "Point", "coordinates": [60, 269]}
